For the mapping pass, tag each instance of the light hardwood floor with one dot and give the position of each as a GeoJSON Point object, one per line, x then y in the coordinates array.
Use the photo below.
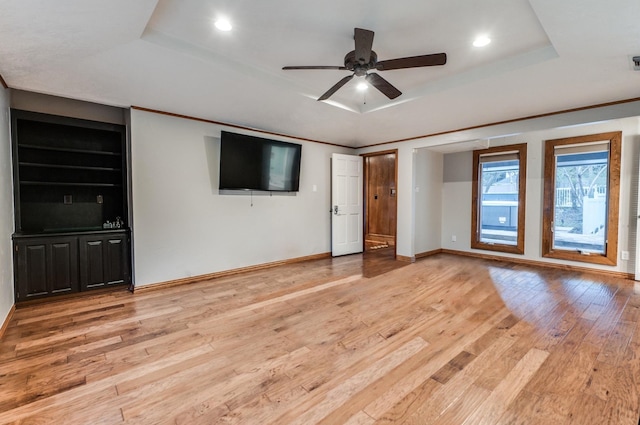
{"type": "Point", "coordinates": [446, 340]}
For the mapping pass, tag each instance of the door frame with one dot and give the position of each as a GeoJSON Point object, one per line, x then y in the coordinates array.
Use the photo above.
{"type": "Point", "coordinates": [365, 181]}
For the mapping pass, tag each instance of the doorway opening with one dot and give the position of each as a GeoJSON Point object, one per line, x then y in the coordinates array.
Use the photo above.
{"type": "Point", "coordinates": [380, 201]}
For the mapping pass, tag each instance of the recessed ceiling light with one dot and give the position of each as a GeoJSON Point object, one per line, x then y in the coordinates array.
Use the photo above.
{"type": "Point", "coordinates": [481, 41]}
{"type": "Point", "coordinates": [223, 24]}
{"type": "Point", "coordinates": [362, 86]}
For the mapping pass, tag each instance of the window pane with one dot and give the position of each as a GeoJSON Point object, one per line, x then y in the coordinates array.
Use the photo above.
{"type": "Point", "coordinates": [499, 202]}
{"type": "Point", "coordinates": [580, 211]}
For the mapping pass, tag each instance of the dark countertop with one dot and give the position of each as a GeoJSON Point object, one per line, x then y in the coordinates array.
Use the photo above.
{"type": "Point", "coordinates": [68, 232]}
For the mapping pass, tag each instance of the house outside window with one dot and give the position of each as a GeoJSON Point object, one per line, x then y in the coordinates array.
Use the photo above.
{"type": "Point", "coordinates": [498, 198]}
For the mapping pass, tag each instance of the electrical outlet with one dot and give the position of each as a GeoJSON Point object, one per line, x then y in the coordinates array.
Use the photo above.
{"type": "Point", "coordinates": [453, 238]}
{"type": "Point", "coordinates": [624, 255]}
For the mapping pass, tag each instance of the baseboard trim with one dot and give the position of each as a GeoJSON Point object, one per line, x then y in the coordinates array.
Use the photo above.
{"type": "Point", "coordinates": [405, 259]}
{"type": "Point", "coordinates": [522, 261]}
{"type": "Point", "coordinates": [231, 272]}
{"type": "Point", "coordinates": [5, 325]}
{"type": "Point", "coordinates": [428, 253]}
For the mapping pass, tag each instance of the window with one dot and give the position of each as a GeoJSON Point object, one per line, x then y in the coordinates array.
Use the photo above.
{"type": "Point", "coordinates": [498, 199]}
{"type": "Point", "coordinates": [581, 192]}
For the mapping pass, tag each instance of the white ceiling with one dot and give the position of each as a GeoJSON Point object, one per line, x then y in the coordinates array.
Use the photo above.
{"type": "Point", "coordinates": [545, 56]}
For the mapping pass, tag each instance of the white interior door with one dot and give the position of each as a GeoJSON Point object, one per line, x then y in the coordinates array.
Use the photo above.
{"type": "Point", "coordinates": [346, 204]}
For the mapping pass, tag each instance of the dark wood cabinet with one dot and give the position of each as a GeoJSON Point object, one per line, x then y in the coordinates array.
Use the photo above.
{"type": "Point", "coordinates": [103, 260]}
{"type": "Point", "coordinates": [70, 180]}
{"type": "Point", "coordinates": [56, 264]}
{"type": "Point", "coordinates": [45, 266]}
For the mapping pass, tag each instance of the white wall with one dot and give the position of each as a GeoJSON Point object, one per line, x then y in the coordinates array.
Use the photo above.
{"type": "Point", "coordinates": [6, 209]}
{"type": "Point", "coordinates": [456, 192]}
{"type": "Point", "coordinates": [183, 227]}
{"type": "Point", "coordinates": [428, 197]}
{"type": "Point", "coordinates": [405, 242]}
{"type": "Point", "coordinates": [457, 172]}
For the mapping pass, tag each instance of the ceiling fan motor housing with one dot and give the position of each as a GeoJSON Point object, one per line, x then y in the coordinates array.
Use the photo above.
{"type": "Point", "coordinates": [357, 65]}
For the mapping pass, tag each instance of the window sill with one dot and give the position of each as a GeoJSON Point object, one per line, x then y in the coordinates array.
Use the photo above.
{"type": "Point", "coordinates": [510, 249]}
{"type": "Point", "coordinates": [576, 256]}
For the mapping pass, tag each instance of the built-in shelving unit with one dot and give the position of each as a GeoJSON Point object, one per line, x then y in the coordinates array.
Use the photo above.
{"type": "Point", "coordinates": [69, 180]}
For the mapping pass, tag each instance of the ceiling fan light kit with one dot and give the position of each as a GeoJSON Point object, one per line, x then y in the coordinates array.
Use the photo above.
{"type": "Point", "coordinates": [481, 41]}
{"type": "Point", "coordinates": [362, 60]}
{"type": "Point", "coordinates": [223, 24]}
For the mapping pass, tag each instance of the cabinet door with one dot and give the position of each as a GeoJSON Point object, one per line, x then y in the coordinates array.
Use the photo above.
{"type": "Point", "coordinates": [103, 260]}
{"type": "Point", "coordinates": [31, 270]}
{"type": "Point", "coordinates": [91, 262]}
{"type": "Point", "coordinates": [63, 265]}
{"type": "Point", "coordinates": [45, 266]}
{"type": "Point", "coordinates": [115, 260]}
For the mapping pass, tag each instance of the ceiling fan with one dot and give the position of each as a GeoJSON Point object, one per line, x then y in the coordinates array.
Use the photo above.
{"type": "Point", "coordinates": [362, 60]}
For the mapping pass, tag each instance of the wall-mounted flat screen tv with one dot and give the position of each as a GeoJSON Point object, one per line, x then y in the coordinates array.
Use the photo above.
{"type": "Point", "coordinates": [254, 163]}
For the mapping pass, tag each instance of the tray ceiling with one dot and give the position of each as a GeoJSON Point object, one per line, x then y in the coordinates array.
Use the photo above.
{"type": "Point", "coordinates": [544, 56]}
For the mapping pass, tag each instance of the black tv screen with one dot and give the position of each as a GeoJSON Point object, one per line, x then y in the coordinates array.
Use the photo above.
{"type": "Point", "coordinates": [254, 163]}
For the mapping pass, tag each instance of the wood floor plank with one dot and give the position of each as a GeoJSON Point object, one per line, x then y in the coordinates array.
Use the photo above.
{"type": "Point", "coordinates": [347, 340]}
{"type": "Point", "coordinates": [407, 405]}
{"type": "Point", "coordinates": [616, 345]}
{"type": "Point", "coordinates": [76, 395]}
{"type": "Point", "coordinates": [464, 406]}
{"type": "Point", "coordinates": [528, 408]}
{"type": "Point", "coordinates": [501, 397]}
{"type": "Point", "coordinates": [623, 398]}
{"type": "Point", "coordinates": [360, 418]}
{"type": "Point", "coordinates": [441, 400]}
{"type": "Point", "coordinates": [582, 408]}
{"type": "Point", "coordinates": [341, 393]}
{"type": "Point", "coordinates": [554, 379]}
{"type": "Point", "coordinates": [83, 412]}
{"type": "Point", "coordinates": [410, 393]}
{"type": "Point", "coordinates": [225, 393]}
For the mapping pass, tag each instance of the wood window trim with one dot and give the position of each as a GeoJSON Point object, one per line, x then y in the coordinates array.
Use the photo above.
{"type": "Point", "coordinates": [610, 256]}
{"type": "Point", "coordinates": [518, 248]}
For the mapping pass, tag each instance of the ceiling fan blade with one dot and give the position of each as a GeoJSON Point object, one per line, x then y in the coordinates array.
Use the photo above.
{"type": "Point", "coordinates": [412, 62]}
{"type": "Point", "coordinates": [364, 42]}
{"type": "Point", "coordinates": [313, 67]}
{"type": "Point", "coordinates": [383, 85]}
{"type": "Point", "coordinates": [335, 88]}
